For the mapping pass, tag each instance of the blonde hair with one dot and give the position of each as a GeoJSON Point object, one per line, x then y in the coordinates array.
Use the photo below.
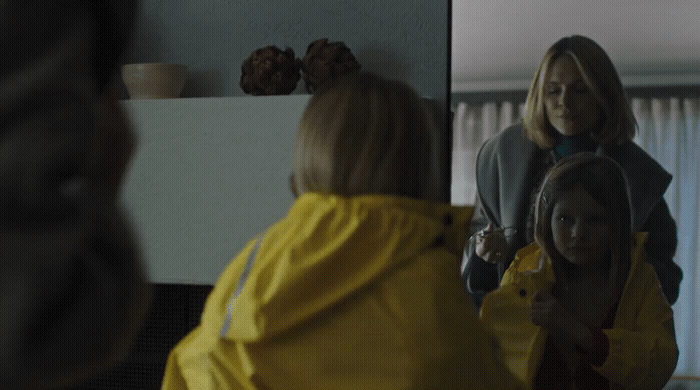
{"type": "Point", "coordinates": [363, 134]}
{"type": "Point", "coordinates": [600, 76]}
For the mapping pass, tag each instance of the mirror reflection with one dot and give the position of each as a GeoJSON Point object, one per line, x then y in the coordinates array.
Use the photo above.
{"type": "Point", "coordinates": [504, 77]}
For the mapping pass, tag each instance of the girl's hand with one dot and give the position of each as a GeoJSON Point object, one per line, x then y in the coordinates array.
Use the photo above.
{"type": "Point", "coordinates": [547, 312]}
{"type": "Point", "coordinates": [491, 244]}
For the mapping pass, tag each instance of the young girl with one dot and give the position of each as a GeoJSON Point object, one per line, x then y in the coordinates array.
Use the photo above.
{"type": "Point", "coordinates": [358, 286]}
{"type": "Point", "coordinates": [580, 308]}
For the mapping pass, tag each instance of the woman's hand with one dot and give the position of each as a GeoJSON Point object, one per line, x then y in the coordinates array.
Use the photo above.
{"type": "Point", "coordinates": [491, 244]}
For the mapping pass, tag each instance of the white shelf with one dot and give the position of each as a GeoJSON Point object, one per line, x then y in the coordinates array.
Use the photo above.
{"type": "Point", "coordinates": [208, 174]}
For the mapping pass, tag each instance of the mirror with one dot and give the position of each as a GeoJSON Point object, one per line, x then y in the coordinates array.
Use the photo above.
{"type": "Point", "coordinates": [496, 48]}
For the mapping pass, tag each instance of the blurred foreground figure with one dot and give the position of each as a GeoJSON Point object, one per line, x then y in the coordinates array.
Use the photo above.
{"type": "Point", "coordinates": [72, 290]}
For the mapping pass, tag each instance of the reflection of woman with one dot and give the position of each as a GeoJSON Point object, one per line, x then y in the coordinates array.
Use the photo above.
{"type": "Point", "coordinates": [356, 287]}
{"type": "Point", "coordinates": [601, 318]}
{"type": "Point", "coordinates": [576, 103]}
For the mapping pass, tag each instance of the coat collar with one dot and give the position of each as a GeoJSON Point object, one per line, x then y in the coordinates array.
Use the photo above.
{"type": "Point", "coordinates": [512, 158]}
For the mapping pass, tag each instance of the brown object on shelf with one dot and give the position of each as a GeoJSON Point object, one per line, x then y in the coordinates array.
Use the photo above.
{"type": "Point", "coordinates": [325, 61]}
{"type": "Point", "coordinates": [154, 80]}
{"type": "Point", "coordinates": [270, 71]}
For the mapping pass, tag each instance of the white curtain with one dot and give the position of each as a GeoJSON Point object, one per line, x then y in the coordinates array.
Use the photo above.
{"type": "Point", "coordinates": [669, 130]}
{"type": "Point", "coordinates": [474, 124]}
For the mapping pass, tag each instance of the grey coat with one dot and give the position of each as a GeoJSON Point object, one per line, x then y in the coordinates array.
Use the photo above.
{"type": "Point", "coordinates": [507, 170]}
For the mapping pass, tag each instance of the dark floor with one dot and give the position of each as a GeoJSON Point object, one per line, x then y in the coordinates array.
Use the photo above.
{"type": "Point", "coordinates": [175, 310]}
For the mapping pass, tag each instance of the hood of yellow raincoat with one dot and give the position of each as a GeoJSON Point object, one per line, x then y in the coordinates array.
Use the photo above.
{"type": "Point", "coordinates": [327, 248]}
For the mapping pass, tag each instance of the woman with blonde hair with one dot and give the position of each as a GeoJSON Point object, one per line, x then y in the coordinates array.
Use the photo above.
{"type": "Point", "coordinates": [576, 103]}
{"type": "Point", "coordinates": [357, 287]}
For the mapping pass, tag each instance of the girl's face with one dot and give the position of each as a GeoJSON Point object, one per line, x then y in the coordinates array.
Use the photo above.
{"type": "Point", "coordinates": [569, 104]}
{"type": "Point", "coordinates": [579, 228]}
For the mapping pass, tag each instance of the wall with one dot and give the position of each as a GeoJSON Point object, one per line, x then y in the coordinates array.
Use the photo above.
{"type": "Point", "coordinates": [499, 43]}
{"type": "Point", "coordinates": [405, 39]}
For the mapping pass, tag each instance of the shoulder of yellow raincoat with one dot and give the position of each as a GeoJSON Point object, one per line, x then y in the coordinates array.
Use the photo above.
{"type": "Point", "coordinates": [341, 299]}
{"type": "Point", "coordinates": [529, 261]}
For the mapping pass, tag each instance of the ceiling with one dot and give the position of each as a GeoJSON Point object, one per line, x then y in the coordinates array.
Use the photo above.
{"type": "Point", "coordinates": [497, 44]}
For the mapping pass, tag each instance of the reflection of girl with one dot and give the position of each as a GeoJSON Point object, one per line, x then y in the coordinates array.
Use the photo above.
{"type": "Point", "coordinates": [576, 103]}
{"type": "Point", "coordinates": [356, 287]}
{"type": "Point", "coordinates": [602, 317]}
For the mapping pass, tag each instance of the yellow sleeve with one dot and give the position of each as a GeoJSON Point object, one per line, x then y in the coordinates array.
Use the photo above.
{"type": "Point", "coordinates": [643, 353]}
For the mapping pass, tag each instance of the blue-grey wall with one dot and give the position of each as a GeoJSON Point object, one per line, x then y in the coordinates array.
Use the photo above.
{"type": "Point", "coordinates": [405, 39]}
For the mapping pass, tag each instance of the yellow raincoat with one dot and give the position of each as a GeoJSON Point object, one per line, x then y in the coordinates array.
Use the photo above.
{"type": "Point", "coordinates": [344, 293]}
{"type": "Point", "coordinates": [643, 351]}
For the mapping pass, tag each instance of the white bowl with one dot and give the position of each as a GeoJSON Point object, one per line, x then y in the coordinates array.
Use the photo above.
{"type": "Point", "coordinates": [154, 80]}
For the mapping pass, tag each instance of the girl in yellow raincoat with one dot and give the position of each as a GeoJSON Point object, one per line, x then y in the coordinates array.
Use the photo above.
{"type": "Point", "coordinates": [581, 308]}
{"type": "Point", "coordinates": [358, 286]}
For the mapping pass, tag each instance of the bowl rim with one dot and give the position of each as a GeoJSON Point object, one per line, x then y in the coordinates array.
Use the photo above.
{"type": "Point", "coordinates": [153, 64]}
